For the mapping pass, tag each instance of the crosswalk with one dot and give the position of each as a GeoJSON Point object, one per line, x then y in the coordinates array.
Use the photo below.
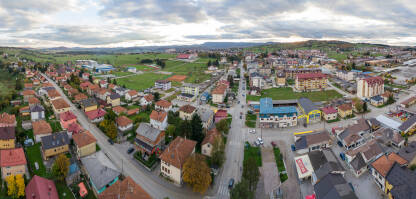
{"type": "Point", "coordinates": [223, 189]}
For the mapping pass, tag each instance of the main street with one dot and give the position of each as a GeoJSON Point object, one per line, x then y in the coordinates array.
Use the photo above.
{"type": "Point", "coordinates": [234, 150]}
{"type": "Point", "coordinates": [154, 185]}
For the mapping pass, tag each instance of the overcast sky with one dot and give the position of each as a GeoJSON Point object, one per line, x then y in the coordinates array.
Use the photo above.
{"type": "Point", "coordinates": [124, 23]}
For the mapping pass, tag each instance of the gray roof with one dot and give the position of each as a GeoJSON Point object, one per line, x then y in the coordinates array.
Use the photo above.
{"type": "Point", "coordinates": [408, 123]}
{"type": "Point", "coordinates": [301, 143]}
{"type": "Point", "coordinates": [36, 108]}
{"type": "Point", "coordinates": [114, 96]}
{"type": "Point", "coordinates": [324, 162]}
{"type": "Point", "coordinates": [205, 114]}
{"type": "Point", "coordinates": [333, 186]}
{"type": "Point", "coordinates": [358, 162]}
{"type": "Point", "coordinates": [55, 140]}
{"type": "Point", "coordinates": [403, 181]}
{"type": "Point", "coordinates": [88, 102]}
{"type": "Point", "coordinates": [100, 169]}
{"type": "Point", "coordinates": [146, 130]}
{"type": "Point", "coordinates": [307, 105]}
{"type": "Point", "coordinates": [408, 152]}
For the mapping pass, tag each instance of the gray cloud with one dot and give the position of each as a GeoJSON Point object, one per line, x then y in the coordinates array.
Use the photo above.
{"type": "Point", "coordinates": [85, 36]}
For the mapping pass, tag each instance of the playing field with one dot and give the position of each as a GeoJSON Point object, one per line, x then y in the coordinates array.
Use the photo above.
{"type": "Point", "coordinates": [140, 82]}
{"type": "Point", "coordinates": [287, 93]}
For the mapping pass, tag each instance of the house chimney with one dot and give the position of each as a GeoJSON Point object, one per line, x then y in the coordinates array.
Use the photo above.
{"type": "Point", "coordinates": [33, 195]}
{"type": "Point", "coordinates": [50, 188]}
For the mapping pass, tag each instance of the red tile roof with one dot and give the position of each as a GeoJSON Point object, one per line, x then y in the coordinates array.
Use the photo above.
{"type": "Point", "coordinates": [183, 56]}
{"type": "Point", "coordinates": [310, 75]}
{"type": "Point", "coordinates": [28, 92]}
{"type": "Point", "coordinates": [66, 116]}
{"type": "Point", "coordinates": [210, 136]}
{"type": "Point", "coordinates": [345, 107]}
{"type": "Point", "coordinates": [126, 189]}
{"type": "Point", "coordinates": [41, 127]}
{"type": "Point", "coordinates": [123, 121]}
{"type": "Point", "coordinates": [374, 80]}
{"type": "Point", "coordinates": [384, 163]}
{"type": "Point", "coordinates": [53, 93]}
{"type": "Point", "coordinates": [163, 103]}
{"type": "Point", "coordinates": [187, 108]}
{"type": "Point", "coordinates": [33, 100]}
{"type": "Point", "coordinates": [40, 188]}
{"type": "Point", "coordinates": [74, 128]}
{"type": "Point", "coordinates": [329, 110]}
{"type": "Point", "coordinates": [60, 103]}
{"type": "Point", "coordinates": [119, 109]}
{"type": "Point", "coordinates": [158, 115]}
{"type": "Point", "coordinates": [221, 113]}
{"type": "Point", "coordinates": [220, 89]}
{"type": "Point", "coordinates": [83, 139]}
{"type": "Point", "coordinates": [149, 97]}
{"type": "Point", "coordinates": [177, 151]}
{"type": "Point", "coordinates": [12, 157]}
{"type": "Point", "coordinates": [133, 111]}
{"type": "Point", "coordinates": [132, 92]}
{"type": "Point", "coordinates": [95, 114]}
{"type": "Point", "coordinates": [6, 118]}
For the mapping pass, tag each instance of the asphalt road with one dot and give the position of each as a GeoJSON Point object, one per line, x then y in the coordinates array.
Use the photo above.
{"type": "Point", "coordinates": [121, 160]}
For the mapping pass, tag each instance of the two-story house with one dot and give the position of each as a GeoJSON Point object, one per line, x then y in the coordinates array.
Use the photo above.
{"type": "Point", "coordinates": [163, 84]}
{"type": "Point", "coordinates": [124, 123]}
{"type": "Point", "coordinates": [186, 112]}
{"type": "Point", "coordinates": [96, 116]}
{"type": "Point", "coordinates": [146, 100]}
{"type": "Point", "coordinates": [173, 158]}
{"type": "Point", "coordinates": [59, 106]}
{"type": "Point", "coordinates": [163, 105]}
{"type": "Point", "coordinates": [159, 119]}
{"type": "Point", "coordinates": [85, 143]}
{"type": "Point", "coordinates": [113, 99]}
{"type": "Point", "coordinates": [37, 112]}
{"type": "Point", "coordinates": [12, 162]}
{"type": "Point", "coordinates": [381, 166]}
{"type": "Point", "coordinates": [7, 137]}
{"type": "Point", "coordinates": [41, 128]}
{"type": "Point", "coordinates": [208, 143]}
{"type": "Point", "coordinates": [7, 120]}
{"type": "Point", "coordinates": [54, 144]}
{"type": "Point", "coordinates": [67, 118]}
{"type": "Point", "coordinates": [132, 95]}
{"type": "Point", "coordinates": [148, 138]}
{"type": "Point", "coordinates": [89, 104]}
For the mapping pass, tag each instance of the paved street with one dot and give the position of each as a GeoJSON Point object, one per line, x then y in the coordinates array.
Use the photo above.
{"type": "Point", "coordinates": [154, 185]}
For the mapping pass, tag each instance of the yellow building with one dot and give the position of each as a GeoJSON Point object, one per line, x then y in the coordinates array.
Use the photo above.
{"type": "Point", "coordinates": [308, 110]}
{"type": "Point", "coordinates": [54, 144]}
{"type": "Point", "coordinates": [85, 143]}
{"type": "Point", "coordinates": [344, 110]}
{"type": "Point", "coordinates": [60, 106]}
{"type": "Point", "coordinates": [310, 81]}
{"type": "Point", "coordinates": [113, 99]}
{"type": "Point", "coordinates": [7, 137]}
{"type": "Point", "coordinates": [281, 79]}
{"type": "Point", "coordinates": [186, 112]}
{"type": "Point", "coordinates": [12, 162]}
{"type": "Point", "coordinates": [89, 104]}
{"type": "Point", "coordinates": [190, 89]}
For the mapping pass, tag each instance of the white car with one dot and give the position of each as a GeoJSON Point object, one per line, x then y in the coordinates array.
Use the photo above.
{"type": "Point", "coordinates": [260, 140]}
{"type": "Point", "coordinates": [253, 131]}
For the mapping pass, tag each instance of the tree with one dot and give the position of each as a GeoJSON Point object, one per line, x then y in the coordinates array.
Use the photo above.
{"type": "Point", "coordinates": [196, 128]}
{"type": "Point", "coordinates": [114, 81]}
{"type": "Point", "coordinates": [20, 183]}
{"type": "Point", "coordinates": [157, 96]}
{"type": "Point", "coordinates": [390, 100]}
{"type": "Point", "coordinates": [60, 167]}
{"type": "Point", "coordinates": [197, 173]}
{"type": "Point", "coordinates": [209, 63]}
{"type": "Point", "coordinates": [241, 191]}
{"type": "Point", "coordinates": [222, 126]}
{"type": "Point", "coordinates": [365, 108]}
{"type": "Point", "coordinates": [217, 153]}
{"type": "Point", "coordinates": [110, 115]}
{"type": "Point", "coordinates": [170, 133]}
{"type": "Point", "coordinates": [90, 78]}
{"type": "Point", "coordinates": [251, 172]}
{"type": "Point", "coordinates": [110, 128]}
{"type": "Point", "coordinates": [11, 186]}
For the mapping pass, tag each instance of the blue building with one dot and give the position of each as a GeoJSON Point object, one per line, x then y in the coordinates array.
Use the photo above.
{"type": "Point", "coordinates": [205, 97]}
{"type": "Point", "coordinates": [272, 116]}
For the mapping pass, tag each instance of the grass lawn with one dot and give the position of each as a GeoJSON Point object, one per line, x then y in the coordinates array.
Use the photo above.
{"type": "Point", "coordinates": [287, 93]}
{"type": "Point", "coordinates": [172, 97]}
{"type": "Point", "coordinates": [140, 82]}
{"type": "Point", "coordinates": [63, 190]}
{"type": "Point", "coordinates": [194, 70]}
{"type": "Point", "coordinates": [176, 84]}
{"type": "Point", "coordinates": [251, 120]}
{"type": "Point", "coordinates": [254, 152]}
{"type": "Point", "coordinates": [33, 155]}
{"type": "Point", "coordinates": [143, 67]}
{"type": "Point", "coordinates": [121, 73]}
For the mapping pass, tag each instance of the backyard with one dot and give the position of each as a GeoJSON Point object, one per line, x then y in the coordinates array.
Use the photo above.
{"type": "Point", "coordinates": [33, 155]}
{"type": "Point", "coordinates": [288, 93]}
{"type": "Point", "coordinates": [140, 82]}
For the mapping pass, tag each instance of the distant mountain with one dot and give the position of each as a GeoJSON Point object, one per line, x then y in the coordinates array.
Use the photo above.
{"type": "Point", "coordinates": [204, 46]}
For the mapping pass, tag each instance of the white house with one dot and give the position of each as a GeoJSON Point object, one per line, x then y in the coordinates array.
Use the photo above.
{"type": "Point", "coordinates": [131, 95]}
{"type": "Point", "coordinates": [37, 112]}
{"type": "Point", "coordinates": [132, 69]}
{"type": "Point", "coordinates": [159, 119]}
{"type": "Point", "coordinates": [163, 84]}
{"type": "Point", "coordinates": [163, 105]}
{"type": "Point", "coordinates": [146, 100]}
{"type": "Point", "coordinates": [124, 123]}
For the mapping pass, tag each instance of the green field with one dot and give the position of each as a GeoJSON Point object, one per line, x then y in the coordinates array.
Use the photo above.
{"type": "Point", "coordinates": [140, 82]}
{"type": "Point", "coordinates": [287, 94]}
{"type": "Point", "coordinates": [194, 70]}
{"type": "Point", "coordinates": [33, 155]}
{"type": "Point", "coordinates": [121, 73]}
{"type": "Point", "coordinates": [7, 83]}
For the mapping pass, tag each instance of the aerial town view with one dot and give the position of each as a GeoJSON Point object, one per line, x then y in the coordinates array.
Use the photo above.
{"type": "Point", "coordinates": [204, 99]}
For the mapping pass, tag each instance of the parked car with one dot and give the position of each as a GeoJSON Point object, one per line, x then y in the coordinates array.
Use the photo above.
{"type": "Point", "coordinates": [260, 140]}
{"type": "Point", "coordinates": [110, 141]}
{"type": "Point", "coordinates": [339, 144]}
{"type": "Point", "coordinates": [231, 183]}
{"type": "Point", "coordinates": [293, 147]}
{"type": "Point", "coordinates": [342, 156]}
{"type": "Point", "coordinates": [130, 150]}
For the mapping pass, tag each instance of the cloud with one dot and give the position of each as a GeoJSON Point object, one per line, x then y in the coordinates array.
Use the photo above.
{"type": "Point", "coordinates": [90, 36]}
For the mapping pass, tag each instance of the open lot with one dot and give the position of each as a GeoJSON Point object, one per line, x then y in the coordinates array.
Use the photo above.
{"type": "Point", "coordinates": [140, 82]}
{"type": "Point", "coordinates": [194, 70]}
{"type": "Point", "coordinates": [121, 73]}
{"type": "Point", "coordinates": [287, 93]}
